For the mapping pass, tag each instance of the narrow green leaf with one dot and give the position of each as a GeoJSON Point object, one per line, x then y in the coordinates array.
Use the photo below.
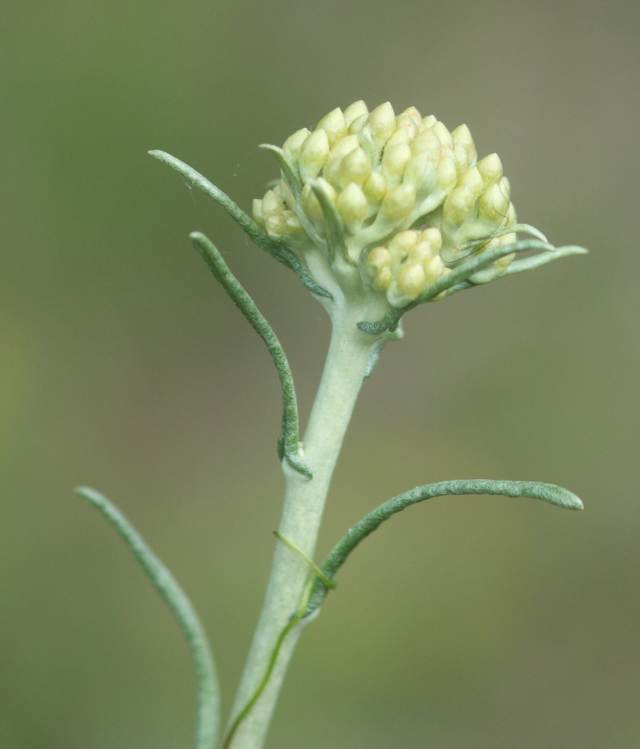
{"type": "Point", "coordinates": [550, 493]}
{"type": "Point", "coordinates": [333, 222]}
{"type": "Point", "coordinates": [461, 274]}
{"type": "Point", "coordinates": [176, 599]}
{"type": "Point", "coordinates": [277, 250]}
{"type": "Point", "coordinates": [536, 261]}
{"type": "Point", "coordinates": [290, 443]}
{"type": "Point", "coordinates": [288, 173]}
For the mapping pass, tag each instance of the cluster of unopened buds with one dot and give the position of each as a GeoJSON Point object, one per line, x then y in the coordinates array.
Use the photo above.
{"type": "Point", "coordinates": [400, 197]}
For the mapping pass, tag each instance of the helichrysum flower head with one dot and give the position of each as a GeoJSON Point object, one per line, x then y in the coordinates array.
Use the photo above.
{"type": "Point", "coordinates": [400, 199]}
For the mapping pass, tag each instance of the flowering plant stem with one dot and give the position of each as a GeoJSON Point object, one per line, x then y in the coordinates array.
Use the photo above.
{"type": "Point", "coordinates": [346, 366]}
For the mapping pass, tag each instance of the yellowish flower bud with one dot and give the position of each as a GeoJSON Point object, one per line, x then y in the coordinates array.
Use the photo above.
{"type": "Point", "coordinates": [314, 153]}
{"type": "Point", "coordinates": [399, 135]}
{"type": "Point", "coordinates": [354, 111]}
{"type": "Point", "coordinates": [341, 149]}
{"type": "Point", "coordinates": [421, 252]}
{"type": "Point", "coordinates": [333, 124]}
{"type": "Point", "coordinates": [383, 279]}
{"type": "Point", "coordinates": [276, 225]}
{"type": "Point", "coordinates": [494, 202]}
{"type": "Point", "coordinates": [490, 167]}
{"type": "Point", "coordinates": [355, 167]}
{"type": "Point", "coordinates": [426, 141]}
{"type": "Point", "coordinates": [395, 159]}
{"type": "Point", "coordinates": [271, 203]}
{"type": "Point", "coordinates": [378, 258]}
{"type": "Point", "coordinates": [462, 138]}
{"type": "Point", "coordinates": [382, 121]}
{"type": "Point", "coordinates": [352, 204]}
{"type": "Point", "coordinates": [402, 246]}
{"type": "Point", "coordinates": [447, 173]}
{"type": "Point", "coordinates": [433, 237]}
{"type": "Point", "coordinates": [258, 215]}
{"type": "Point", "coordinates": [444, 136]}
{"type": "Point", "coordinates": [433, 268]}
{"type": "Point", "coordinates": [412, 280]}
{"type": "Point", "coordinates": [472, 181]}
{"type": "Point", "coordinates": [375, 188]}
{"type": "Point", "coordinates": [293, 143]}
{"type": "Point", "coordinates": [458, 205]}
{"type": "Point", "coordinates": [357, 125]}
{"type": "Point", "coordinates": [410, 119]}
{"type": "Point", "coordinates": [399, 202]}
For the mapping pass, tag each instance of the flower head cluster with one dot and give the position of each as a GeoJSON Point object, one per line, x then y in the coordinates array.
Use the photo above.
{"type": "Point", "coordinates": [400, 197]}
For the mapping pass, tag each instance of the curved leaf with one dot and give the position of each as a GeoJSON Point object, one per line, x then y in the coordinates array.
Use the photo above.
{"type": "Point", "coordinates": [290, 443]}
{"type": "Point", "coordinates": [274, 248]}
{"type": "Point", "coordinates": [181, 607]}
{"type": "Point", "coordinates": [550, 493]}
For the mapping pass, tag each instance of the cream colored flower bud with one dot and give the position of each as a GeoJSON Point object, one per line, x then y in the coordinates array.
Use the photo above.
{"type": "Point", "coordinates": [395, 159]}
{"type": "Point", "coordinates": [382, 121]}
{"type": "Point", "coordinates": [447, 173]}
{"type": "Point", "coordinates": [355, 167]}
{"type": "Point", "coordinates": [293, 143]}
{"type": "Point", "coordinates": [383, 279]}
{"type": "Point", "coordinates": [352, 204]}
{"type": "Point", "coordinates": [399, 135]}
{"type": "Point", "coordinates": [421, 172]}
{"type": "Point", "coordinates": [314, 153]}
{"type": "Point", "coordinates": [410, 119]}
{"type": "Point", "coordinates": [399, 202]}
{"type": "Point", "coordinates": [433, 237]}
{"type": "Point", "coordinates": [490, 167]}
{"type": "Point", "coordinates": [433, 268]}
{"type": "Point", "coordinates": [458, 205]}
{"type": "Point", "coordinates": [354, 111]}
{"type": "Point", "coordinates": [271, 203]}
{"type": "Point", "coordinates": [403, 245]}
{"type": "Point", "coordinates": [426, 141]}
{"type": "Point", "coordinates": [421, 252]}
{"type": "Point", "coordinates": [276, 225]}
{"type": "Point", "coordinates": [379, 258]}
{"type": "Point", "coordinates": [429, 121]}
{"type": "Point", "coordinates": [412, 280]}
{"type": "Point", "coordinates": [333, 124]}
{"type": "Point", "coordinates": [357, 125]}
{"type": "Point", "coordinates": [462, 137]}
{"type": "Point", "coordinates": [375, 188]}
{"type": "Point", "coordinates": [444, 136]}
{"type": "Point", "coordinates": [256, 207]}
{"type": "Point", "coordinates": [472, 181]}
{"type": "Point", "coordinates": [341, 149]}
{"type": "Point", "coordinates": [494, 202]}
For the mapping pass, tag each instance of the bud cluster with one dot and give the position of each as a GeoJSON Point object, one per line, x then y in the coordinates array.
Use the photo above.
{"type": "Point", "coordinates": [409, 197]}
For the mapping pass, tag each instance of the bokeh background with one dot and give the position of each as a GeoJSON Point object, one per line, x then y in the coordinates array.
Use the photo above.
{"type": "Point", "coordinates": [470, 622]}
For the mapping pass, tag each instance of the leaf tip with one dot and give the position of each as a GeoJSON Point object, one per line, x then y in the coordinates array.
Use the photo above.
{"type": "Point", "coordinates": [91, 495]}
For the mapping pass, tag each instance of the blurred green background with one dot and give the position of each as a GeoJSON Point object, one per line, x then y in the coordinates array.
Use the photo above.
{"type": "Point", "coordinates": [468, 623]}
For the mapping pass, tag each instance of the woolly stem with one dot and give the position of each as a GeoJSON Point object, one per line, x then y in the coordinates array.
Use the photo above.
{"type": "Point", "coordinates": [344, 372]}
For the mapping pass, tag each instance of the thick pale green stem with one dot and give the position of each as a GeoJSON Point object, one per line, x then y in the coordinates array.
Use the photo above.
{"type": "Point", "coordinates": [346, 365]}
